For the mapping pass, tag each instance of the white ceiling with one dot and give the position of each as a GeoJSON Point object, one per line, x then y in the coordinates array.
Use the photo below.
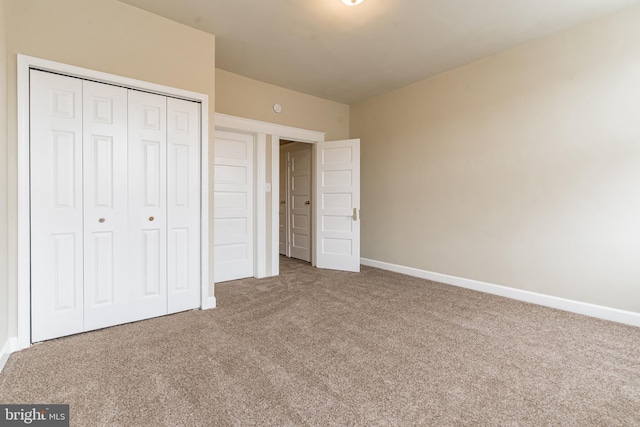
{"type": "Point", "coordinates": [348, 54]}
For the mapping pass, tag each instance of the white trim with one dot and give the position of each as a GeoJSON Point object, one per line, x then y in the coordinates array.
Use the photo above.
{"type": "Point", "coordinates": [233, 123]}
{"type": "Point", "coordinates": [24, 226]}
{"type": "Point", "coordinates": [587, 309]}
{"type": "Point", "coordinates": [24, 64]}
{"type": "Point", "coordinates": [275, 204]}
{"type": "Point", "coordinates": [9, 347]}
{"type": "Point", "coordinates": [260, 266]}
{"type": "Point", "coordinates": [207, 301]}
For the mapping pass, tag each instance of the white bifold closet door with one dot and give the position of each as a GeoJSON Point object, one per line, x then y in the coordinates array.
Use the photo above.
{"type": "Point", "coordinates": [115, 205]}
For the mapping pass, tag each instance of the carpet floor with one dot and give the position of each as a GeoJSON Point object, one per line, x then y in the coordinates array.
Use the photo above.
{"type": "Point", "coordinates": [322, 348]}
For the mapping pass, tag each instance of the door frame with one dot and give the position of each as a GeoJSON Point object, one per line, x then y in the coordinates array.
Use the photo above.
{"type": "Point", "coordinates": [25, 63]}
{"type": "Point", "coordinates": [268, 264]}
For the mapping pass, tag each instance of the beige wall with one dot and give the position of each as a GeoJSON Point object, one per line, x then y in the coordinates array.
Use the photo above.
{"type": "Point", "coordinates": [4, 290]}
{"type": "Point", "coordinates": [244, 97]}
{"type": "Point", "coordinates": [521, 169]}
{"type": "Point", "coordinates": [108, 36]}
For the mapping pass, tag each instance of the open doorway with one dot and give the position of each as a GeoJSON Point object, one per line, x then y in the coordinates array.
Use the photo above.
{"type": "Point", "coordinates": [295, 213]}
{"type": "Point", "coordinates": [334, 198]}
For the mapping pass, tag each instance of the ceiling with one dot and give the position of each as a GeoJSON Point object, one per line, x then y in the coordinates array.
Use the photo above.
{"type": "Point", "coordinates": [348, 54]}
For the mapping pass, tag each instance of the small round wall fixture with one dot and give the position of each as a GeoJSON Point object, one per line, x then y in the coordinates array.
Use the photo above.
{"type": "Point", "coordinates": [277, 108]}
{"type": "Point", "coordinates": [352, 2]}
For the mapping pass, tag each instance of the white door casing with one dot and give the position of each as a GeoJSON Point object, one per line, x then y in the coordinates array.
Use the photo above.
{"type": "Point", "coordinates": [337, 198]}
{"type": "Point", "coordinates": [233, 206]}
{"type": "Point", "coordinates": [183, 204]}
{"type": "Point", "coordinates": [56, 205]}
{"type": "Point", "coordinates": [300, 203]}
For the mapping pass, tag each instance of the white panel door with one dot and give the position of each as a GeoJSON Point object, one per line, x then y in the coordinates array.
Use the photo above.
{"type": "Point", "coordinates": [300, 202]}
{"type": "Point", "coordinates": [106, 233]}
{"type": "Point", "coordinates": [338, 205]}
{"type": "Point", "coordinates": [233, 206]}
{"type": "Point", "coordinates": [56, 205]}
{"type": "Point", "coordinates": [183, 215]}
{"type": "Point", "coordinates": [282, 210]}
{"type": "Point", "coordinates": [147, 203]}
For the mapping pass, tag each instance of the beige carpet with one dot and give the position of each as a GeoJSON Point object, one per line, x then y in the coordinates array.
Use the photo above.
{"type": "Point", "coordinates": [329, 348]}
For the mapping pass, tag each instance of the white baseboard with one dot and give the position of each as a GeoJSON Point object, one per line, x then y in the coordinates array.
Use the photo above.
{"type": "Point", "coordinates": [9, 347]}
{"type": "Point", "coordinates": [592, 310]}
{"type": "Point", "coordinates": [209, 303]}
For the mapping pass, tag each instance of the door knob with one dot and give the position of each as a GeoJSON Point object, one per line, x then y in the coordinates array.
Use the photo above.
{"type": "Point", "coordinates": [151, 218]}
{"type": "Point", "coordinates": [101, 220]}
{"type": "Point", "coordinates": [355, 214]}
{"type": "Point", "coordinates": [307, 202]}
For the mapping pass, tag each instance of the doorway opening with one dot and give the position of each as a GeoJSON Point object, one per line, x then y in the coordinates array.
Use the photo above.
{"type": "Point", "coordinates": [295, 212]}
{"type": "Point", "coordinates": [334, 198]}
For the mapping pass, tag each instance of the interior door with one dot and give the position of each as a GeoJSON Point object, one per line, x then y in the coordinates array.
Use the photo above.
{"type": "Point", "coordinates": [106, 264]}
{"type": "Point", "coordinates": [233, 206]}
{"type": "Point", "coordinates": [337, 198]}
{"type": "Point", "coordinates": [300, 202]}
{"type": "Point", "coordinates": [147, 204]}
{"type": "Point", "coordinates": [56, 205]}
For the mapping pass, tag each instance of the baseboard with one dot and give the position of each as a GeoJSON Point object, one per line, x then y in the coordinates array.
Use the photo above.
{"type": "Point", "coordinates": [9, 347]}
{"type": "Point", "coordinates": [592, 310]}
{"type": "Point", "coordinates": [209, 303]}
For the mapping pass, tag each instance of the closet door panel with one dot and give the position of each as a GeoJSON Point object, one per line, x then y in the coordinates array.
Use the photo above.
{"type": "Point", "coordinates": [147, 203]}
{"type": "Point", "coordinates": [183, 185]}
{"type": "Point", "coordinates": [107, 291]}
{"type": "Point", "coordinates": [56, 205]}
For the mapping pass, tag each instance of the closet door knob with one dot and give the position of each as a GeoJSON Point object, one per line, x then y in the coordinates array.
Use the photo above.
{"type": "Point", "coordinates": [151, 218]}
{"type": "Point", "coordinates": [101, 220]}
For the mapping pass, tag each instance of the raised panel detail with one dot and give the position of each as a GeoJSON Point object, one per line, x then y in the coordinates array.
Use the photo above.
{"type": "Point", "coordinates": [300, 241]}
{"type": "Point", "coordinates": [151, 117]}
{"type": "Point", "coordinates": [181, 154]}
{"type": "Point", "coordinates": [236, 175]}
{"type": "Point", "coordinates": [300, 162]}
{"type": "Point", "coordinates": [64, 276]}
{"type": "Point", "coordinates": [336, 201]}
{"type": "Point", "coordinates": [337, 178]}
{"type": "Point", "coordinates": [63, 104]}
{"type": "Point", "coordinates": [337, 155]}
{"type": "Point", "coordinates": [181, 261]}
{"type": "Point", "coordinates": [337, 223]}
{"type": "Point", "coordinates": [103, 171]}
{"type": "Point", "coordinates": [181, 122]}
{"type": "Point", "coordinates": [103, 280]}
{"type": "Point", "coordinates": [230, 253]}
{"type": "Point", "coordinates": [299, 202]}
{"type": "Point", "coordinates": [151, 167]}
{"type": "Point", "coordinates": [300, 221]}
{"type": "Point", "coordinates": [63, 169]}
{"type": "Point", "coordinates": [231, 148]}
{"type": "Point", "coordinates": [300, 183]}
{"type": "Point", "coordinates": [229, 200]}
{"type": "Point", "coordinates": [336, 246]}
{"type": "Point", "coordinates": [102, 110]}
{"type": "Point", "coordinates": [228, 226]}
{"type": "Point", "coordinates": [151, 245]}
